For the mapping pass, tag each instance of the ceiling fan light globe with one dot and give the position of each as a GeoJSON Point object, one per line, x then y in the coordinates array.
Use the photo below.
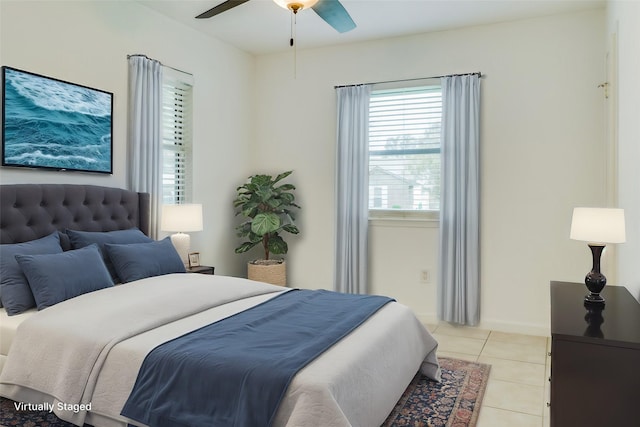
{"type": "Point", "coordinates": [295, 5]}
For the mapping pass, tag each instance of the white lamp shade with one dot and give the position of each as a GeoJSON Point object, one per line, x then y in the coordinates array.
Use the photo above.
{"type": "Point", "coordinates": [598, 225]}
{"type": "Point", "coordinates": [305, 3]}
{"type": "Point", "coordinates": [181, 218]}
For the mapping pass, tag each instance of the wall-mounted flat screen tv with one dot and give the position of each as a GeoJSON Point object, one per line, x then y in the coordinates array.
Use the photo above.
{"type": "Point", "coordinates": [53, 124]}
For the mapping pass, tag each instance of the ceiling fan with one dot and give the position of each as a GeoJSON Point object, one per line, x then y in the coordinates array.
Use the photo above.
{"type": "Point", "coordinates": [331, 11]}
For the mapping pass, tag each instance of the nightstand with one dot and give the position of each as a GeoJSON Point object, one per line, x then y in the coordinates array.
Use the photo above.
{"type": "Point", "coordinates": [202, 269]}
{"type": "Point", "coordinates": [595, 356]}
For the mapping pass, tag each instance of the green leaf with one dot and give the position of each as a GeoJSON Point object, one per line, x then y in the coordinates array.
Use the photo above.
{"type": "Point", "coordinates": [265, 223]}
{"type": "Point", "coordinates": [260, 180]}
{"type": "Point", "coordinates": [264, 194]}
{"type": "Point", "coordinates": [277, 245]}
{"type": "Point", "coordinates": [286, 187]}
{"type": "Point", "coordinates": [243, 229]}
{"type": "Point", "coordinates": [282, 176]}
{"type": "Point", "coordinates": [290, 228]}
{"type": "Point", "coordinates": [245, 247]}
{"type": "Point", "coordinates": [249, 209]}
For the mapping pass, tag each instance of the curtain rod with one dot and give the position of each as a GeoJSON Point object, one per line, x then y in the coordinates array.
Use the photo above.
{"type": "Point", "coordinates": [411, 80]}
{"type": "Point", "coordinates": [151, 59]}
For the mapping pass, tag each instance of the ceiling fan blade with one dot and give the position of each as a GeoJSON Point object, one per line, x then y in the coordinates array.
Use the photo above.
{"type": "Point", "coordinates": [335, 15]}
{"type": "Point", "coordinates": [222, 7]}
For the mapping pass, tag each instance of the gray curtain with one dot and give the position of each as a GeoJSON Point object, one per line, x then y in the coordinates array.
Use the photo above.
{"type": "Point", "coordinates": [459, 273]}
{"type": "Point", "coordinates": [145, 132]}
{"type": "Point", "coordinates": [352, 189]}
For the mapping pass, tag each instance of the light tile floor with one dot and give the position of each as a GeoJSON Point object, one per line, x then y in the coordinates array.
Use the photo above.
{"type": "Point", "coordinates": [518, 388]}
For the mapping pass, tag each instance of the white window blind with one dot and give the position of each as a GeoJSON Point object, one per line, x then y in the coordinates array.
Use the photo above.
{"type": "Point", "coordinates": [404, 149]}
{"type": "Point", "coordinates": [176, 139]}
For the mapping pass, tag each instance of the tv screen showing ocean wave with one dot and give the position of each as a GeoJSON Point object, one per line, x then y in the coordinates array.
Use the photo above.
{"type": "Point", "coordinates": [50, 123]}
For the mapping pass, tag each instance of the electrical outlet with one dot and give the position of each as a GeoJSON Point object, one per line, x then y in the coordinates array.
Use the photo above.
{"type": "Point", "coordinates": [425, 276]}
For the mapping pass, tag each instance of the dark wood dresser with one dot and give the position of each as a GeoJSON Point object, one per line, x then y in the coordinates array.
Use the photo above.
{"type": "Point", "coordinates": [595, 358]}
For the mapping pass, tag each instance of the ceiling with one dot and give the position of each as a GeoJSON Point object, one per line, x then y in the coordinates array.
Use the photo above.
{"type": "Point", "coordinates": [261, 26]}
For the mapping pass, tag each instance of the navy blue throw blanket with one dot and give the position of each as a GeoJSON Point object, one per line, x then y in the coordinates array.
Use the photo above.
{"type": "Point", "coordinates": [236, 371]}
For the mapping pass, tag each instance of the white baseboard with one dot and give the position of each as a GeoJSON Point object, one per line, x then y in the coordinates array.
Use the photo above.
{"type": "Point", "coordinates": [427, 319]}
{"type": "Point", "coordinates": [516, 328]}
{"type": "Point", "coordinates": [496, 325]}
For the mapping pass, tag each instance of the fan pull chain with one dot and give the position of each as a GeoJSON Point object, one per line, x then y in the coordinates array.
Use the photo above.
{"type": "Point", "coordinates": [294, 24]}
{"type": "Point", "coordinates": [292, 20]}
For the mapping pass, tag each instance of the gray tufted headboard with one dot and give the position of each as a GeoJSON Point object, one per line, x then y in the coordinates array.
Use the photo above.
{"type": "Point", "coordinates": [31, 211]}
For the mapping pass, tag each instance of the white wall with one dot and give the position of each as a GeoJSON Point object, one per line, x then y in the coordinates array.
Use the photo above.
{"type": "Point", "coordinates": [624, 22]}
{"type": "Point", "coordinates": [88, 43]}
{"type": "Point", "coordinates": [543, 147]}
{"type": "Point", "coordinates": [542, 136]}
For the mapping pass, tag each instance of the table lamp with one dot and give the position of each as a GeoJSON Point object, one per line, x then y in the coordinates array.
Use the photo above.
{"type": "Point", "coordinates": [598, 226]}
{"type": "Point", "coordinates": [181, 219]}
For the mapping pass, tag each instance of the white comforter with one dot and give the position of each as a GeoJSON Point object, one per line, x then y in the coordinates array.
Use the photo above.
{"type": "Point", "coordinates": [88, 350]}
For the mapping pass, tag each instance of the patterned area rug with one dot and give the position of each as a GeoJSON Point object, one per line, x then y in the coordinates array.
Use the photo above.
{"type": "Point", "coordinates": [454, 402]}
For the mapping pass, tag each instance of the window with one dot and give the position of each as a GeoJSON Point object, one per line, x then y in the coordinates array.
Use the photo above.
{"type": "Point", "coordinates": [176, 137]}
{"type": "Point", "coordinates": [404, 150]}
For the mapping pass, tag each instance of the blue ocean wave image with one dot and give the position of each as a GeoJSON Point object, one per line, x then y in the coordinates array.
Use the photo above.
{"type": "Point", "coordinates": [49, 123]}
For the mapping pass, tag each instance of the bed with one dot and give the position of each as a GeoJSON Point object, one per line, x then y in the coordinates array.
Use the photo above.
{"type": "Point", "coordinates": [82, 356]}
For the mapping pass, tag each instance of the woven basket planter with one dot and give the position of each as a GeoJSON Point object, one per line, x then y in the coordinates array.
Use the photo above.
{"type": "Point", "coordinates": [272, 271]}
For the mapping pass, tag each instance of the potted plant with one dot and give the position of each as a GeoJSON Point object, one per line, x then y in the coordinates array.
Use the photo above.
{"type": "Point", "coordinates": [268, 209]}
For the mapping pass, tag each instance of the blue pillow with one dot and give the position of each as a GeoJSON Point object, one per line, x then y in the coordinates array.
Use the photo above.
{"type": "Point", "coordinates": [55, 278]}
{"type": "Point", "coordinates": [140, 260]}
{"type": "Point", "coordinates": [15, 293]}
{"type": "Point", "coordinates": [80, 239]}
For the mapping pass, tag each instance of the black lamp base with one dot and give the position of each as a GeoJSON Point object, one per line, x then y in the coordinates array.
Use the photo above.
{"type": "Point", "coordinates": [594, 319]}
{"type": "Point", "coordinates": [593, 299]}
{"type": "Point", "coordinates": [595, 280]}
